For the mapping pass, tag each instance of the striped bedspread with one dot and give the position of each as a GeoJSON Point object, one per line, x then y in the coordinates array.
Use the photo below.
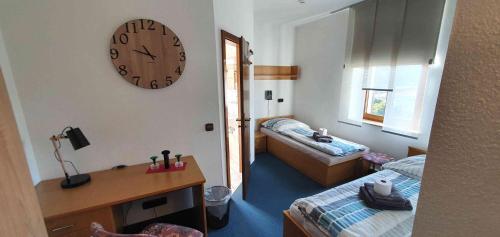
{"type": "Point", "coordinates": [338, 147]}
{"type": "Point", "coordinates": [340, 212]}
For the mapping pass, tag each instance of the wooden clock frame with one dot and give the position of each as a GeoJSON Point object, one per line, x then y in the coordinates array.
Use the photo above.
{"type": "Point", "coordinates": [147, 54]}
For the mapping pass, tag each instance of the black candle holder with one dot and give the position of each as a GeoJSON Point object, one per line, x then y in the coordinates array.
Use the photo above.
{"type": "Point", "coordinates": [166, 159]}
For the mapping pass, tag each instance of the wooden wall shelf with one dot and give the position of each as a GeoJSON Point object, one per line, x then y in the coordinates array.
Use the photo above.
{"type": "Point", "coordinates": [262, 72]}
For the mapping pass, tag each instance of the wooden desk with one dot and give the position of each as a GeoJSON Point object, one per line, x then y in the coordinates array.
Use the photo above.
{"type": "Point", "coordinates": [69, 212]}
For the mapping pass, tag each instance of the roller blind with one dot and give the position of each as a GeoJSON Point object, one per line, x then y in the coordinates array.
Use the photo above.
{"type": "Point", "coordinates": [363, 17]}
{"type": "Point", "coordinates": [420, 31]}
{"type": "Point", "coordinates": [390, 45]}
{"type": "Point", "coordinates": [389, 32]}
{"type": "Point", "coordinates": [388, 25]}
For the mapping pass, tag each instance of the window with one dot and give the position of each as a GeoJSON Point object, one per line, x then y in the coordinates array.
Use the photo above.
{"type": "Point", "coordinates": [375, 102]}
{"type": "Point", "coordinates": [390, 45]}
{"type": "Point", "coordinates": [376, 86]}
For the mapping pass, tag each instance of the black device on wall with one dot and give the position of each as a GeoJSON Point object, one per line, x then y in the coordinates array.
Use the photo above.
{"type": "Point", "coordinates": [268, 95]}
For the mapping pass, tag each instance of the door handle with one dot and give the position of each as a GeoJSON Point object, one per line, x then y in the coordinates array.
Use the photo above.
{"type": "Point", "coordinates": [248, 119]}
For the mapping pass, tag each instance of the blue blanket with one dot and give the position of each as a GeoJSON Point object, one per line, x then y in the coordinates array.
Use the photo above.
{"type": "Point", "coordinates": [302, 133]}
{"type": "Point", "coordinates": [338, 146]}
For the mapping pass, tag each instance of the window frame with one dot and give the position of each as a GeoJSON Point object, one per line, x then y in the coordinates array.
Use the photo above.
{"type": "Point", "coordinates": [368, 116]}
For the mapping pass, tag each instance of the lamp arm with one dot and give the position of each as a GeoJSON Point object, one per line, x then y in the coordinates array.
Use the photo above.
{"type": "Point", "coordinates": [59, 158]}
{"type": "Point", "coordinates": [61, 135]}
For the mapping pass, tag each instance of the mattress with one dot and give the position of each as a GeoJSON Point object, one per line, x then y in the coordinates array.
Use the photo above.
{"type": "Point", "coordinates": [312, 152]}
{"type": "Point", "coordinates": [340, 212]}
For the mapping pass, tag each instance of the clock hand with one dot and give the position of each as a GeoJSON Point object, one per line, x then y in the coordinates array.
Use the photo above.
{"type": "Point", "coordinates": [148, 53]}
{"type": "Point", "coordinates": [140, 52]}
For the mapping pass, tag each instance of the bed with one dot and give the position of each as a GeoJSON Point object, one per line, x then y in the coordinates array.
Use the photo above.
{"type": "Point", "coordinates": [325, 169]}
{"type": "Point", "coordinates": [340, 212]}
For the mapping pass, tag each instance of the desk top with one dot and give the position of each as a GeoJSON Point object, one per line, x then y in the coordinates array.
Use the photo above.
{"type": "Point", "coordinates": [111, 187]}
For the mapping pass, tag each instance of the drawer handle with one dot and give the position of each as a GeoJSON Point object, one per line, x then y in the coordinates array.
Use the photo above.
{"type": "Point", "coordinates": [62, 228]}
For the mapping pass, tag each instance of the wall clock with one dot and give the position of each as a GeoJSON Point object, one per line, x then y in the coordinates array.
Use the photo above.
{"type": "Point", "coordinates": [147, 54]}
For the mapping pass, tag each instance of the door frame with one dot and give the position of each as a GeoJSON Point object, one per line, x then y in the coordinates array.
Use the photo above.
{"type": "Point", "coordinates": [228, 36]}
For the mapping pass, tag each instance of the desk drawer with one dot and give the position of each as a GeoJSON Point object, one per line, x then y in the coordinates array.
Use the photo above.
{"type": "Point", "coordinates": [77, 233]}
{"type": "Point", "coordinates": [79, 224]}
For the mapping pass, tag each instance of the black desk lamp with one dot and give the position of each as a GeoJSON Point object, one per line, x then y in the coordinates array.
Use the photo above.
{"type": "Point", "coordinates": [78, 140]}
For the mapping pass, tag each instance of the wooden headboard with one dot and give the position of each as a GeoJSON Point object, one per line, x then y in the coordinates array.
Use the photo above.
{"type": "Point", "coordinates": [258, 122]}
{"type": "Point", "coordinates": [413, 151]}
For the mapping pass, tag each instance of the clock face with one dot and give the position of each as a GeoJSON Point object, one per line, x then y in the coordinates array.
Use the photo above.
{"type": "Point", "coordinates": [147, 54]}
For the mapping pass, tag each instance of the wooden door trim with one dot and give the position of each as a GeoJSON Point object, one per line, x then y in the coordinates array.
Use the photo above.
{"type": "Point", "coordinates": [227, 36]}
{"type": "Point", "coordinates": [26, 218]}
{"type": "Point", "coordinates": [245, 133]}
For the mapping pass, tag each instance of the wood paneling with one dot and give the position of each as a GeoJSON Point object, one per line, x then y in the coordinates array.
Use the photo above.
{"type": "Point", "coordinates": [21, 214]}
{"type": "Point", "coordinates": [276, 72]}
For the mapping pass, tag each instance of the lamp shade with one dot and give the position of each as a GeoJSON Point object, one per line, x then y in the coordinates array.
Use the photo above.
{"type": "Point", "coordinates": [77, 139]}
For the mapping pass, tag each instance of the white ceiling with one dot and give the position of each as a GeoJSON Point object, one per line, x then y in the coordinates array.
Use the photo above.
{"type": "Point", "coordinates": [282, 11]}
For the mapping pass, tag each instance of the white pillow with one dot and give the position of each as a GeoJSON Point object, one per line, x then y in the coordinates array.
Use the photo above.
{"type": "Point", "coordinates": [270, 123]}
{"type": "Point", "coordinates": [412, 166]}
{"type": "Point", "coordinates": [282, 124]}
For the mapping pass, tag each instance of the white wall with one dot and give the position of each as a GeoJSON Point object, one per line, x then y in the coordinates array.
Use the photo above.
{"type": "Point", "coordinates": [235, 17]}
{"type": "Point", "coordinates": [58, 50]}
{"type": "Point", "coordinates": [18, 112]}
{"type": "Point", "coordinates": [267, 47]}
{"type": "Point", "coordinates": [317, 93]}
{"type": "Point", "coordinates": [268, 108]}
{"type": "Point", "coordinates": [274, 45]}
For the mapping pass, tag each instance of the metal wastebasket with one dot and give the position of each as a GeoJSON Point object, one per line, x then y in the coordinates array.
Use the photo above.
{"type": "Point", "coordinates": [217, 200]}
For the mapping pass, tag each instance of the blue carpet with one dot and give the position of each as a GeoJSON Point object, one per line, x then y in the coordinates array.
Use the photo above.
{"type": "Point", "coordinates": [273, 187]}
